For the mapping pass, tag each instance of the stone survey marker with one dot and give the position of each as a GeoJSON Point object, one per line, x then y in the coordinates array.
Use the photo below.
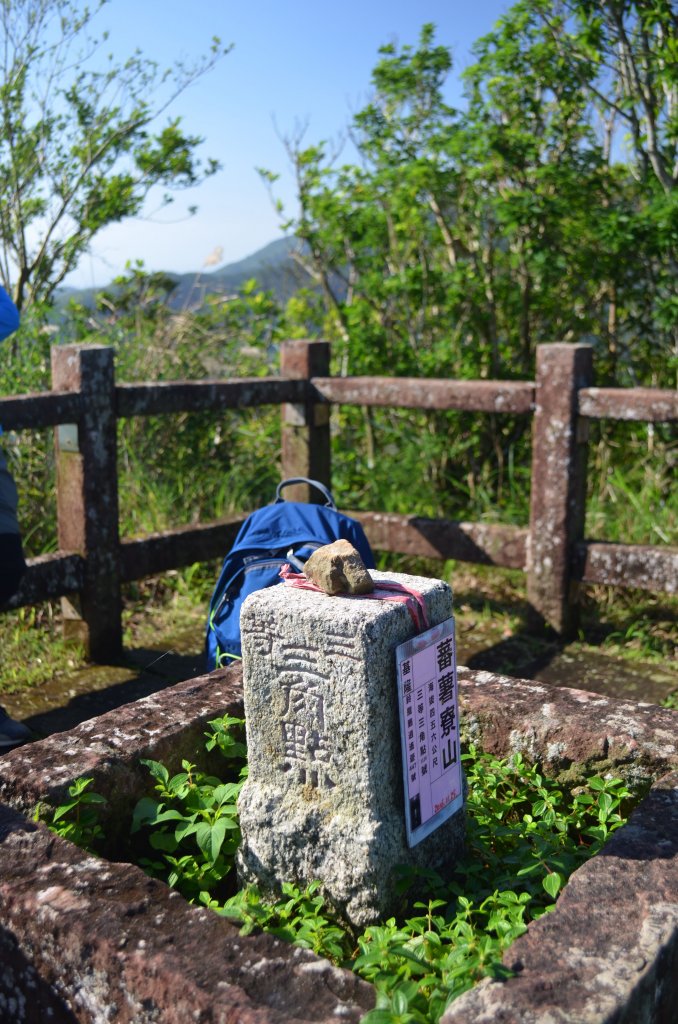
{"type": "Point", "coordinates": [324, 798]}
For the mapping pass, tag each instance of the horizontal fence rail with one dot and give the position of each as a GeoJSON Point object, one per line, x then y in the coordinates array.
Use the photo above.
{"type": "Point", "coordinates": [93, 561]}
{"type": "Point", "coordinates": [198, 396]}
{"type": "Point", "coordinates": [30, 412]}
{"type": "Point", "coordinates": [49, 408]}
{"type": "Point", "coordinates": [482, 543]}
{"type": "Point", "coordinates": [175, 549]}
{"type": "Point", "coordinates": [627, 565]}
{"type": "Point", "coordinates": [417, 393]}
{"type": "Point", "coordinates": [648, 405]}
{"type": "Point", "coordinates": [50, 576]}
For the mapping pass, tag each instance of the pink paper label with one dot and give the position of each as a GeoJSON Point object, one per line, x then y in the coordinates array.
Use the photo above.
{"type": "Point", "coordinates": [429, 729]}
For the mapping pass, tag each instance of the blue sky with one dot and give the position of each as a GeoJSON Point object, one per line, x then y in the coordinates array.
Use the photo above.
{"type": "Point", "coordinates": [292, 63]}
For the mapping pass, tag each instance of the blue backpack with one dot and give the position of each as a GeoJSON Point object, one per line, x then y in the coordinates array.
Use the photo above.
{"type": "Point", "coordinates": [286, 531]}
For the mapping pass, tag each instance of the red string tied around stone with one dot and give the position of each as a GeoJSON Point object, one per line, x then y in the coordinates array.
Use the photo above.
{"type": "Point", "coordinates": [384, 590]}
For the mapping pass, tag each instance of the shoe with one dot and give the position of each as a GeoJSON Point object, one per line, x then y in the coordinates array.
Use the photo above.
{"type": "Point", "coordinates": [12, 733]}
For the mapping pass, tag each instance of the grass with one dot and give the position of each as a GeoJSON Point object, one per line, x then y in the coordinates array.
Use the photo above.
{"type": "Point", "coordinates": [32, 648]}
{"type": "Point", "coordinates": [162, 606]}
{"type": "Point", "coordinates": [631, 494]}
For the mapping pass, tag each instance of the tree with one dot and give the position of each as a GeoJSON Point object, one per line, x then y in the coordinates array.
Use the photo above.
{"type": "Point", "coordinates": [624, 54]}
{"type": "Point", "coordinates": [77, 149]}
{"type": "Point", "coordinates": [464, 238]}
{"type": "Point", "coordinates": [461, 239]}
{"type": "Point", "coordinates": [598, 67]}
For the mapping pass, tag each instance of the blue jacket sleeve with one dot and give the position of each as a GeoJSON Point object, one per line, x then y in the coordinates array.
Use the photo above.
{"type": "Point", "coordinates": [9, 315]}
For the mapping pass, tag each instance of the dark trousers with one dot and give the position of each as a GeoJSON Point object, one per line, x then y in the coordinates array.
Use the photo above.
{"type": "Point", "coordinates": [12, 565]}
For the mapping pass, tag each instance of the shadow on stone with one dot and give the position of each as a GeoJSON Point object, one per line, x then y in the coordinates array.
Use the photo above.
{"type": "Point", "coordinates": [651, 832]}
{"type": "Point", "coordinates": [62, 704]}
{"type": "Point", "coordinates": [525, 655]}
{"type": "Point", "coordinates": [18, 976]}
{"type": "Point", "coordinates": [12, 821]}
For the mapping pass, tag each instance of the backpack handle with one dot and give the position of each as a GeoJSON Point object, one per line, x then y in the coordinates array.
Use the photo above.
{"type": "Point", "coordinates": [329, 500]}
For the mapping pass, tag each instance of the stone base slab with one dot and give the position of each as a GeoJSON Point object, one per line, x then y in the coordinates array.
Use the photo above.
{"type": "Point", "coordinates": [608, 954]}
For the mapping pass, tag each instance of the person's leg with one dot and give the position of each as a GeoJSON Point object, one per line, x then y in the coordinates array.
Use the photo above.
{"type": "Point", "coordinates": [12, 565]}
{"type": "Point", "coordinates": [12, 733]}
{"type": "Point", "coordinates": [12, 569]}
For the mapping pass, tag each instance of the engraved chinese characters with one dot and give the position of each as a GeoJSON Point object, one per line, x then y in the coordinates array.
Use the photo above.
{"type": "Point", "coordinates": [306, 744]}
{"type": "Point", "coordinates": [324, 797]}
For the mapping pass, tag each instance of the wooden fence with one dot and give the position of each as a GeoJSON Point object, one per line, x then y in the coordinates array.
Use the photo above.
{"type": "Point", "coordinates": [92, 561]}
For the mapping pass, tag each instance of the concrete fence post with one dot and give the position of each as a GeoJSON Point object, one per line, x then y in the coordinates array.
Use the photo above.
{"type": "Point", "coordinates": [558, 495]}
{"type": "Point", "coordinates": [306, 426]}
{"type": "Point", "coordinates": [87, 496]}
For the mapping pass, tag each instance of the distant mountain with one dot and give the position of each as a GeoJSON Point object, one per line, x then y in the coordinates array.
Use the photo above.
{"type": "Point", "coordinates": [273, 266]}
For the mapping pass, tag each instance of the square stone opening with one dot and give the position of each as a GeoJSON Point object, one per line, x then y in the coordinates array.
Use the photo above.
{"type": "Point", "coordinates": [86, 939]}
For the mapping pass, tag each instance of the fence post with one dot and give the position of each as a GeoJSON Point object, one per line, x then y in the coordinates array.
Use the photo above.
{"type": "Point", "coordinates": [558, 494]}
{"type": "Point", "coordinates": [305, 427]}
{"type": "Point", "coordinates": [87, 496]}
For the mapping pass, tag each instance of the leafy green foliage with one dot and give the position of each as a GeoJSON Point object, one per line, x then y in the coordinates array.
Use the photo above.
{"type": "Point", "coordinates": [525, 836]}
{"type": "Point", "coordinates": [299, 916]}
{"type": "Point", "coordinates": [224, 736]}
{"type": "Point", "coordinates": [192, 822]}
{"type": "Point", "coordinates": [77, 150]}
{"type": "Point", "coordinates": [461, 239]}
{"type": "Point", "coordinates": [524, 825]}
{"type": "Point", "coordinates": [77, 819]}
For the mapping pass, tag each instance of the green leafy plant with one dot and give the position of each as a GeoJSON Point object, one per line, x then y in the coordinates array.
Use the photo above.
{"type": "Point", "coordinates": [463, 237]}
{"type": "Point", "coordinates": [77, 819]}
{"type": "Point", "coordinates": [225, 735]}
{"type": "Point", "coordinates": [525, 836]}
{"type": "Point", "coordinates": [193, 821]}
{"type": "Point", "coordinates": [521, 825]}
{"type": "Point", "coordinates": [300, 916]}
